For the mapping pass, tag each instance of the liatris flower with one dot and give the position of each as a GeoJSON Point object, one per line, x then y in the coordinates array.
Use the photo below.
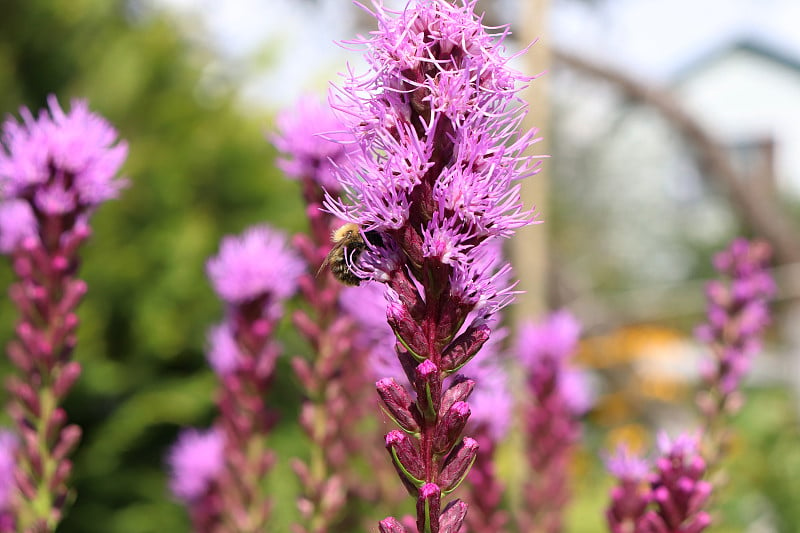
{"type": "Point", "coordinates": [673, 499]}
{"type": "Point", "coordinates": [254, 274]}
{"type": "Point", "coordinates": [55, 170]}
{"type": "Point", "coordinates": [312, 142]}
{"type": "Point", "coordinates": [8, 447]}
{"type": "Point", "coordinates": [557, 400]}
{"type": "Point", "coordinates": [630, 498]}
{"type": "Point", "coordinates": [195, 463]}
{"type": "Point", "coordinates": [436, 180]}
{"type": "Point", "coordinates": [737, 317]}
{"type": "Point", "coordinates": [334, 380]}
{"type": "Point", "coordinates": [678, 490]}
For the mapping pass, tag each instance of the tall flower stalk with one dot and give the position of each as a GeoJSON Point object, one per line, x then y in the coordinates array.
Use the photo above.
{"type": "Point", "coordinates": [558, 397]}
{"type": "Point", "coordinates": [253, 274]}
{"type": "Point", "coordinates": [435, 181]}
{"type": "Point", "coordinates": [334, 379]}
{"type": "Point", "coordinates": [668, 497]}
{"type": "Point", "coordinates": [631, 495]}
{"type": "Point", "coordinates": [737, 315]}
{"type": "Point", "coordinates": [55, 170]}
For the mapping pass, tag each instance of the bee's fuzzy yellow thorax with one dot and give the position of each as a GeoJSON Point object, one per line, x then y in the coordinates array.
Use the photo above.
{"type": "Point", "coordinates": [340, 233]}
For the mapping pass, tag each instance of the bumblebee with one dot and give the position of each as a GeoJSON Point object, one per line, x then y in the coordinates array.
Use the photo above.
{"type": "Point", "coordinates": [348, 243]}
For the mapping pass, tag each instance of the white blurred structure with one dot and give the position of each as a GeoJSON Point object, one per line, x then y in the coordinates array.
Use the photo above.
{"type": "Point", "coordinates": [747, 94]}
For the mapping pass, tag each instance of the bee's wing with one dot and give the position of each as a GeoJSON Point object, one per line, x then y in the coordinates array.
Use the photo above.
{"type": "Point", "coordinates": [327, 261]}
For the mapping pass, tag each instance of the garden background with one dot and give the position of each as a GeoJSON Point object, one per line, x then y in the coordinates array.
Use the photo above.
{"type": "Point", "coordinates": [633, 216]}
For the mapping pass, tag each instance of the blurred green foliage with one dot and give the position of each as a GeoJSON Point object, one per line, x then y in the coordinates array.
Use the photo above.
{"type": "Point", "coordinates": [199, 167]}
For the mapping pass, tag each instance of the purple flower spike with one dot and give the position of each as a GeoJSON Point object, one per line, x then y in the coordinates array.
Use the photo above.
{"type": "Point", "coordinates": [631, 496]}
{"type": "Point", "coordinates": [218, 474]}
{"type": "Point", "coordinates": [559, 398]}
{"type": "Point", "coordinates": [738, 315]}
{"type": "Point", "coordinates": [313, 143]}
{"type": "Point", "coordinates": [434, 183]}
{"type": "Point", "coordinates": [55, 171]}
{"type": "Point", "coordinates": [195, 461]}
{"type": "Point", "coordinates": [669, 497]}
{"type": "Point", "coordinates": [678, 490]}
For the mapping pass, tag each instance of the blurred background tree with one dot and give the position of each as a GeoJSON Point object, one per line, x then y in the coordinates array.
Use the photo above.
{"type": "Point", "coordinates": [199, 167]}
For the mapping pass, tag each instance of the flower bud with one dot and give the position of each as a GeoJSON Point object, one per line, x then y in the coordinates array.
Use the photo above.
{"type": "Point", "coordinates": [459, 390]}
{"type": "Point", "coordinates": [464, 347]}
{"type": "Point", "coordinates": [453, 517]}
{"type": "Point", "coordinates": [57, 420]}
{"type": "Point", "coordinates": [450, 427]}
{"type": "Point", "coordinates": [25, 393]}
{"type": "Point", "coordinates": [19, 357]}
{"type": "Point", "coordinates": [407, 294]}
{"type": "Point", "coordinates": [428, 505]}
{"type": "Point", "coordinates": [66, 378]}
{"type": "Point", "coordinates": [428, 386]}
{"type": "Point", "coordinates": [60, 476]}
{"type": "Point", "coordinates": [24, 484]}
{"type": "Point", "coordinates": [457, 464]}
{"type": "Point", "coordinates": [307, 327]}
{"type": "Point", "coordinates": [406, 460]}
{"type": "Point", "coordinates": [76, 289]}
{"type": "Point", "coordinates": [408, 330]}
{"type": "Point", "coordinates": [67, 441]}
{"type": "Point", "coordinates": [391, 525]}
{"type": "Point", "coordinates": [398, 404]}
{"type": "Point", "coordinates": [407, 361]}
{"type": "Point", "coordinates": [304, 373]}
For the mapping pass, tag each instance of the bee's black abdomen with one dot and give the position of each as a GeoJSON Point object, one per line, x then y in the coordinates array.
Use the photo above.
{"type": "Point", "coordinates": [341, 272]}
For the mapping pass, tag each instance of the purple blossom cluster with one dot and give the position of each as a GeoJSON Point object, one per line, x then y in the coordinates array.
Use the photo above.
{"type": "Point", "coordinates": [55, 170]}
{"type": "Point", "coordinates": [312, 143]}
{"type": "Point", "coordinates": [196, 461]}
{"type": "Point", "coordinates": [219, 473]}
{"type": "Point", "coordinates": [559, 395]}
{"type": "Point", "coordinates": [334, 380]}
{"type": "Point", "coordinates": [737, 315]}
{"type": "Point", "coordinates": [61, 167]}
{"type": "Point", "coordinates": [434, 180]}
{"type": "Point", "coordinates": [667, 497]}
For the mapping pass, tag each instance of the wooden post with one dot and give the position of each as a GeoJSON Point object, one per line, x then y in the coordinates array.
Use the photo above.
{"type": "Point", "coordinates": [529, 245]}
